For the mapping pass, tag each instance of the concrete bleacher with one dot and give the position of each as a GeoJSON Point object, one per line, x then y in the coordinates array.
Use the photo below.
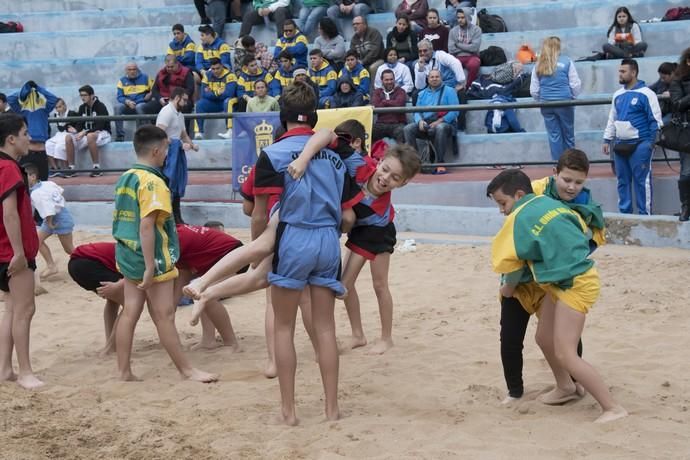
{"type": "Point", "coordinates": [68, 43]}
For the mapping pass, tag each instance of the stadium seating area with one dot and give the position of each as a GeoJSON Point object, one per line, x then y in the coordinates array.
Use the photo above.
{"type": "Point", "coordinates": [68, 43]}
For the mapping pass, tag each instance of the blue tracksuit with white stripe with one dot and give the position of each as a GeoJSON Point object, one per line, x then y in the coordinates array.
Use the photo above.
{"type": "Point", "coordinates": [635, 117]}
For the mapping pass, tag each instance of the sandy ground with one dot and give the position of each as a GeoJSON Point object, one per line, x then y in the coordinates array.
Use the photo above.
{"type": "Point", "coordinates": [435, 395]}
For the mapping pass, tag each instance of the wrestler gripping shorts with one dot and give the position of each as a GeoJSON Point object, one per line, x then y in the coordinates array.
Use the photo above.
{"type": "Point", "coordinates": [5, 278]}
{"type": "Point", "coordinates": [306, 256]}
{"type": "Point", "coordinates": [89, 273]}
{"type": "Point", "coordinates": [369, 240]}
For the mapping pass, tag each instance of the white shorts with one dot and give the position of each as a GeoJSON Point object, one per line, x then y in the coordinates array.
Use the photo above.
{"type": "Point", "coordinates": [55, 146]}
{"type": "Point", "coordinates": [103, 138]}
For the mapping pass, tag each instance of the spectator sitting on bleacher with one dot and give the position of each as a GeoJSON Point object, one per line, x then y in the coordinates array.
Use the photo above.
{"type": "Point", "coordinates": [303, 76]}
{"type": "Point", "coordinates": [218, 94]}
{"type": "Point", "coordinates": [91, 134]}
{"type": "Point", "coordinates": [403, 76]}
{"type": "Point", "coordinates": [264, 10]}
{"type": "Point", "coordinates": [294, 42]}
{"type": "Point", "coordinates": [435, 32]}
{"type": "Point", "coordinates": [201, 10]}
{"type": "Point", "coordinates": [35, 103]}
{"type": "Point", "coordinates": [331, 44]}
{"type": "Point", "coordinates": [464, 41]}
{"type": "Point", "coordinates": [216, 12]}
{"type": "Point", "coordinates": [211, 47]}
{"type": "Point", "coordinates": [404, 40]}
{"type": "Point", "coordinates": [346, 94]}
{"type": "Point", "coordinates": [624, 37]}
{"type": "Point", "coordinates": [415, 11]}
{"type": "Point", "coordinates": [348, 8]}
{"type": "Point", "coordinates": [389, 95]}
{"type": "Point", "coordinates": [249, 74]}
{"type": "Point", "coordinates": [243, 46]}
{"type": "Point", "coordinates": [661, 88]}
{"type": "Point", "coordinates": [4, 106]}
{"type": "Point", "coordinates": [55, 146]}
{"type": "Point", "coordinates": [368, 43]}
{"type": "Point", "coordinates": [322, 73]}
{"type": "Point", "coordinates": [261, 101]}
{"type": "Point", "coordinates": [133, 92]}
{"type": "Point", "coordinates": [182, 47]}
{"type": "Point", "coordinates": [452, 7]}
{"type": "Point", "coordinates": [283, 76]}
{"type": "Point", "coordinates": [311, 12]}
{"type": "Point", "coordinates": [358, 75]}
{"type": "Point", "coordinates": [438, 127]}
{"type": "Point", "coordinates": [450, 68]}
{"type": "Point", "coordinates": [173, 75]}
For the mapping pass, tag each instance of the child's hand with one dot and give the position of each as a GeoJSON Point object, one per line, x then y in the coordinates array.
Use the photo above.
{"type": "Point", "coordinates": [108, 289]}
{"type": "Point", "coordinates": [147, 281]}
{"type": "Point", "coordinates": [17, 264]}
{"type": "Point", "coordinates": [507, 290]}
{"type": "Point", "coordinates": [296, 169]}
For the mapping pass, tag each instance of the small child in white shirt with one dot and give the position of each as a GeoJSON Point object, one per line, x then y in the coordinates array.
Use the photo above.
{"type": "Point", "coordinates": [47, 200]}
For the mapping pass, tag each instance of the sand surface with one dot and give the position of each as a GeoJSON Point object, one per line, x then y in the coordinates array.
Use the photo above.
{"type": "Point", "coordinates": [435, 395]}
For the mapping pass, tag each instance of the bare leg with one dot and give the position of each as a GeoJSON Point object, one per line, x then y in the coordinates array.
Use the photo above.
{"type": "Point", "coordinates": [323, 305]}
{"type": "Point", "coordinates": [6, 342]}
{"type": "Point", "coordinates": [567, 332]}
{"type": "Point", "coordinates": [110, 314]}
{"type": "Point", "coordinates": [565, 388]}
{"type": "Point", "coordinates": [162, 310]}
{"type": "Point", "coordinates": [69, 150]}
{"type": "Point", "coordinates": [285, 309]}
{"type": "Point", "coordinates": [23, 309]}
{"type": "Point", "coordinates": [51, 268]}
{"type": "Point", "coordinates": [127, 322]}
{"type": "Point", "coordinates": [379, 274]}
{"type": "Point", "coordinates": [93, 147]}
{"type": "Point", "coordinates": [353, 266]}
{"type": "Point", "coordinates": [67, 242]}
{"type": "Point", "coordinates": [52, 163]}
{"type": "Point", "coordinates": [305, 308]}
{"type": "Point", "coordinates": [270, 371]}
{"type": "Point", "coordinates": [216, 317]}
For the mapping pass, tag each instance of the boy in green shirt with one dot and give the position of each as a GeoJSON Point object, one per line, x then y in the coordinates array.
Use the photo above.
{"type": "Point", "coordinates": [552, 240]}
{"type": "Point", "coordinates": [146, 251]}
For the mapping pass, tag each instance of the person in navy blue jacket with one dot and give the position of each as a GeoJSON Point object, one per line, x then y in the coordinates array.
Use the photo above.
{"type": "Point", "coordinates": [133, 91]}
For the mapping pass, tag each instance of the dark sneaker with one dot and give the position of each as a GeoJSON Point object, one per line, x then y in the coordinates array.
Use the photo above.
{"type": "Point", "coordinates": [55, 174]}
{"type": "Point", "coordinates": [96, 172]}
{"type": "Point", "coordinates": [69, 173]}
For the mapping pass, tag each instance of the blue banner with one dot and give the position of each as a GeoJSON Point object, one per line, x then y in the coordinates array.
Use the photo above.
{"type": "Point", "coordinates": [251, 132]}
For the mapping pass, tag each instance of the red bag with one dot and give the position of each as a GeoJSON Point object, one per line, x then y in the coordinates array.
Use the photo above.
{"type": "Point", "coordinates": [378, 150]}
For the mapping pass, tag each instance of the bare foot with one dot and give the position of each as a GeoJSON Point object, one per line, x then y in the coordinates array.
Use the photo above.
{"type": "Point", "coordinates": [558, 396]}
{"type": "Point", "coordinates": [8, 376]}
{"type": "Point", "coordinates": [49, 271]}
{"type": "Point", "coordinates": [270, 371]}
{"type": "Point", "coordinates": [509, 400]}
{"type": "Point", "coordinates": [333, 414]}
{"type": "Point", "coordinates": [288, 418]}
{"type": "Point", "coordinates": [381, 346]}
{"type": "Point", "coordinates": [200, 376]}
{"type": "Point", "coordinates": [194, 289]}
{"type": "Point", "coordinates": [39, 290]}
{"type": "Point", "coordinates": [107, 350]}
{"type": "Point", "coordinates": [354, 342]}
{"type": "Point", "coordinates": [206, 345]}
{"type": "Point", "coordinates": [29, 382]}
{"type": "Point", "coordinates": [580, 390]}
{"type": "Point", "coordinates": [129, 377]}
{"type": "Point", "coordinates": [612, 414]}
{"type": "Point", "coordinates": [197, 310]}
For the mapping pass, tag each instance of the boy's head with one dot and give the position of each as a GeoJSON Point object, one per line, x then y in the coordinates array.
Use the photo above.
{"type": "Point", "coordinates": [571, 173]}
{"type": "Point", "coordinates": [249, 62]}
{"type": "Point", "coordinates": [215, 225]}
{"type": "Point", "coordinates": [31, 173]}
{"type": "Point", "coordinates": [299, 105]}
{"type": "Point", "coordinates": [354, 131]}
{"type": "Point", "coordinates": [14, 137]}
{"type": "Point", "coordinates": [400, 164]}
{"type": "Point", "coordinates": [507, 188]}
{"type": "Point", "coordinates": [151, 145]}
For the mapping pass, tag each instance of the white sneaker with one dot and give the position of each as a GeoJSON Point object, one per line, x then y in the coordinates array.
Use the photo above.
{"type": "Point", "coordinates": [408, 246]}
{"type": "Point", "coordinates": [198, 136]}
{"type": "Point", "coordinates": [227, 134]}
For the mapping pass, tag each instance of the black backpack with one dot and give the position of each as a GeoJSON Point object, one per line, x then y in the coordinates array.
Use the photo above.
{"type": "Point", "coordinates": [491, 23]}
{"type": "Point", "coordinates": [493, 55]}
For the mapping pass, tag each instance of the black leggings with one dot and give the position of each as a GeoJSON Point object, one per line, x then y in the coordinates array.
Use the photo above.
{"type": "Point", "coordinates": [514, 321]}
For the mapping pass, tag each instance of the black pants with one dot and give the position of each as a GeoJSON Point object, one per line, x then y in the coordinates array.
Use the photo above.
{"type": "Point", "coordinates": [621, 52]}
{"type": "Point", "coordinates": [251, 18]}
{"type": "Point", "coordinates": [38, 158]}
{"type": "Point", "coordinates": [394, 130]}
{"type": "Point", "coordinates": [201, 9]}
{"type": "Point", "coordinates": [177, 210]}
{"type": "Point", "coordinates": [514, 321]}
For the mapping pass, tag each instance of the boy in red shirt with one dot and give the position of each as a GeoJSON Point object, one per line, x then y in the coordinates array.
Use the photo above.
{"type": "Point", "coordinates": [18, 249]}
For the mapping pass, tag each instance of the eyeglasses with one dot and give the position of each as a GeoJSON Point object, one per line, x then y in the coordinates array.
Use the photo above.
{"type": "Point", "coordinates": [357, 23]}
{"type": "Point", "coordinates": [288, 30]}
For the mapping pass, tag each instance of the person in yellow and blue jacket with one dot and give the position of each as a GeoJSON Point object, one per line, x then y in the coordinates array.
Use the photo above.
{"type": "Point", "coordinates": [322, 73]}
{"type": "Point", "coordinates": [357, 73]}
{"type": "Point", "coordinates": [552, 240]}
{"type": "Point", "coordinates": [282, 77]}
{"type": "Point", "coordinates": [182, 47]}
{"type": "Point", "coordinates": [211, 47]}
{"type": "Point", "coordinates": [133, 91]}
{"type": "Point", "coordinates": [294, 42]}
{"type": "Point", "coordinates": [218, 93]}
{"type": "Point", "coordinates": [250, 73]}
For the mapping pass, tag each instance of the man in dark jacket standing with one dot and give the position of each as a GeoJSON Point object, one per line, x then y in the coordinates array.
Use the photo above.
{"type": "Point", "coordinates": [91, 134]}
{"type": "Point", "coordinates": [367, 42]}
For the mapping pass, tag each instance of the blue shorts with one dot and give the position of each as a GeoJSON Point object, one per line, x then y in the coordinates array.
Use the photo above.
{"type": "Point", "coordinates": [306, 256]}
{"type": "Point", "coordinates": [63, 222]}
